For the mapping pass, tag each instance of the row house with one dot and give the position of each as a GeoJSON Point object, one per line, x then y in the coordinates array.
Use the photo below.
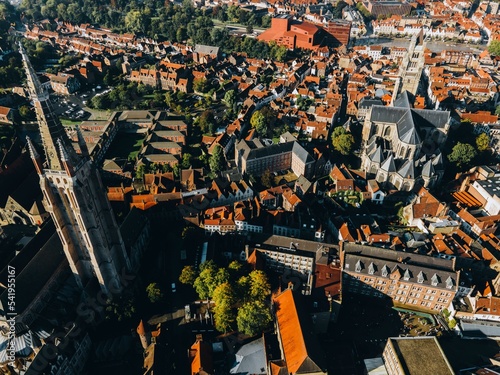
{"type": "Point", "coordinates": [167, 135]}
{"type": "Point", "coordinates": [414, 281]}
{"type": "Point", "coordinates": [226, 192]}
{"type": "Point", "coordinates": [220, 220]}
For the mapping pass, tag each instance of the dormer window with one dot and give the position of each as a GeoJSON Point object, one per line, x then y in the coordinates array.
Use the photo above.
{"type": "Point", "coordinates": [385, 271]}
{"type": "Point", "coordinates": [449, 282]}
{"type": "Point", "coordinates": [359, 266]}
{"type": "Point", "coordinates": [407, 275]}
{"type": "Point", "coordinates": [420, 277]}
{"type": "Point", "coordinates": [435, 280]}
{"type": "Point", "coordinates": [371, 268]}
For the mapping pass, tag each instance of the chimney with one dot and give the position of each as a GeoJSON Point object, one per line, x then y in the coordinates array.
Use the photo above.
{"type": "Point", "coordinates": [247, 252]}
{"type": "Point", "coordinates": [290, 285]}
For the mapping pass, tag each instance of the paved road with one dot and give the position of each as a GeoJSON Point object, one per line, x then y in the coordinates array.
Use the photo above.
{"type": "Point", "coordinates": [435, 46]}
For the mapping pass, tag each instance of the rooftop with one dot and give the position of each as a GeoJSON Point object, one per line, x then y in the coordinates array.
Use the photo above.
{"type": "Point", "coordinates": [421, 356]}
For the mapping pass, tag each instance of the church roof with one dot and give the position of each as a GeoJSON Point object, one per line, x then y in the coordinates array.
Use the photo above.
{"type": "Point", "coordinates": [404, 100]}
{"type": "Point", "coordinates": [406, 129]}
{"type": "Point", "coordinates": [378, 155]}
{"type": "Point", "coordinates": [407, 170]}
{"type": "Point", "coordinates": [428, 169]}
{"type": "Point", "coordinates": [389, 165]}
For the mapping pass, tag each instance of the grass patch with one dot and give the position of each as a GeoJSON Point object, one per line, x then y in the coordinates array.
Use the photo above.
{"type": "Point", "coordinates": [67, 122]}
{"type": "Point", "coordinates": [125, 145]}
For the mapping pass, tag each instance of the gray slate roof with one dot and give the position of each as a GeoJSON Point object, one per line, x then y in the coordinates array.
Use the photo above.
{"type": "Point", "coordinates": [250, 359]}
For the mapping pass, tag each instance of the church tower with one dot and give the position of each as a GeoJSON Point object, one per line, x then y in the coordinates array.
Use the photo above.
{"type": "Point", "coordinates": [75, 197]}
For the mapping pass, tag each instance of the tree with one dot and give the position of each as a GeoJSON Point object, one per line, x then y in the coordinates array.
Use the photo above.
{"type": "Point", "coordinates": [230, 99]}
{"type": "Point", "coordinates": [186, 160]}
{"type": "Point", "coordinates": [139, 173]}
{"type": "Point", "coordinates": [205, 283]}
{"type": "Point", "coordinates": [462, 154]}
{"type": "Point", "coordinates": [494, 48]}
{"type": "Point", "coordinates": [26, 113]}
{"type": "Point", "coordinates": [224, 317]}
{"type": "Point", "coordinates": [483, 142]}
{"type": "Point", "coordinates": [188, 275]}
{"type": "Point", "coordinates": [207, 122]}
{"type": "Point", "coordinates": [135, 21]}
{"type": "Point", "coordinates": [259, 123]}
{"type": "Point", "coordinates": [217, 160]}
{"type": "Point", "coordinates": [154, 292]}
{"type": "Point", "coordinates": [266, 179]}
{"type": "Point", "coordinates": [497, 110]}
{"type": "Point", "coordinates": [259, 285]}
{"type": "Point", "coordinates": [200, 85]}
{"type": "Point", "coordinates": [253, 317]}
{"type": "Point", "coordinates": [224, 294]}
{"type": "Point", "coordinates": [120, 308]}
{"type": "Point", "coordinates": [342, 141]}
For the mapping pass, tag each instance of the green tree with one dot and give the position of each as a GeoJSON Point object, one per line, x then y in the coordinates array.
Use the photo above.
{"type": "Point", "coordinates": [207, 122]}
{"type": "Point", "coordinates": [462, 154]}
{"type": "Point", "coordinates": [497, 110]}
{"type": "Point", "coordinates": [483, 142]}
{"type": "Point", "coordinates": [259, 123]}
{"type": "Point", "coordinates": [224, 294]}
{"type": "Point", "coordinates": [188, 275]}
{"type": "Point", "coordinates": [205, 283]}
{"type": "Point", "coordinates": [120, 308]}
{"type": "Point", "coordinates": [259, 286]}
{"type": "Point", "coordinates": [186, 160]}
{"type": "Point", "coordinates": [342, 141]}
{"type": "Point", "coordinates": [224, 317]}
{"type": "Point", "coordinates": [494, 48]}
{"type": "Point", "coordinates": [154, 292]}
{"type": "Point", "coordinates": [26, 113]}
{"type": "Point", "coordinates": [230, 99]}
{"type": "Point", "coordinates": [266, 179]}
{"type": "Point", "coordinates": [135, 21]}
{"type": "Point", "coordinates": [139, 173]}
{"type": "Point", "coordinates": [200, 85]}
{"type": "Point", "coordinates": [217, 160]}
{"type": "Point", "coordinates": [253, 317]}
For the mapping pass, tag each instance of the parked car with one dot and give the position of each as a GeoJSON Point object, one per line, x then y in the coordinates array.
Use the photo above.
{"type": "Point", "coordinates": [174, 289]}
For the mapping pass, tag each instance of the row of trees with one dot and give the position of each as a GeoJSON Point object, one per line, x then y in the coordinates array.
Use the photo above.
{"type": "Point", "coordinates": [239, 297]}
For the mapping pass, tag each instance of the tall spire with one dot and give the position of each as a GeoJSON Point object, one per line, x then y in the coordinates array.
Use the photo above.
{"type": "Point", "coordinates": [50, 127]}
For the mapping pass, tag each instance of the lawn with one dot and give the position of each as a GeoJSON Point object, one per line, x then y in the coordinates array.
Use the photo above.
{"type": "Point", "coordinates": [67, 122]}
{"type": "Point", "coordinates": [125, 145]}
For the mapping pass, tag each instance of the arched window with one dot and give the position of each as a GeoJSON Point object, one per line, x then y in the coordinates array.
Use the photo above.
{"type": "Point", "coordinates": [387, 132]}
{"type": "Point", "coordinates": [408, 153]}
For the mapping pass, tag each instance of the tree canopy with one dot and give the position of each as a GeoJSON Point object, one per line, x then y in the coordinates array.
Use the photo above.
{"type": "Point", "coordinates": [188, 275]}
{"type": "Point", "coordinates": [217, 160]}
{"type": "Point", "coordinates": [154, 292]}
{"type": "Point", "coordinates": [342, 141]}
{"type": "Point", "coordinates": [483, 142]}
{"type": "Point", "coordinates": [462, 155]}
{"type": "Point", "coordinates": [253, 317]}
{"type": "Point", "coordinates": [494, 48]}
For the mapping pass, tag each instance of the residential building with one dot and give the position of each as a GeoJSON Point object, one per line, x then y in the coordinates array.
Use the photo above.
{"type": "Point", "coordinates": [6, 115]}
{"type": "Point", "coordinates": [413, 281]}
{"type": "Point", "coordinates": [295, 256]}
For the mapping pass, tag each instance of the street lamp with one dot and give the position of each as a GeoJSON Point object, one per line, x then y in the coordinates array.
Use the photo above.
{"type": "Point", "coordinates": [330, 299]}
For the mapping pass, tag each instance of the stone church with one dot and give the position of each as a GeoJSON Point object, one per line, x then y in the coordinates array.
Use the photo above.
{"type": "Point", "coordinates": [402, 145]}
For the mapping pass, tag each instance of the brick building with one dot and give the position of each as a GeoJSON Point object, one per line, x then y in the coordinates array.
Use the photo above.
{"type": "Point", "coordinates": [412, 281]}
{"type": "Point", "coordinates": [254, 158]}
{"type": "Point", "coordinates": [292, 34]}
